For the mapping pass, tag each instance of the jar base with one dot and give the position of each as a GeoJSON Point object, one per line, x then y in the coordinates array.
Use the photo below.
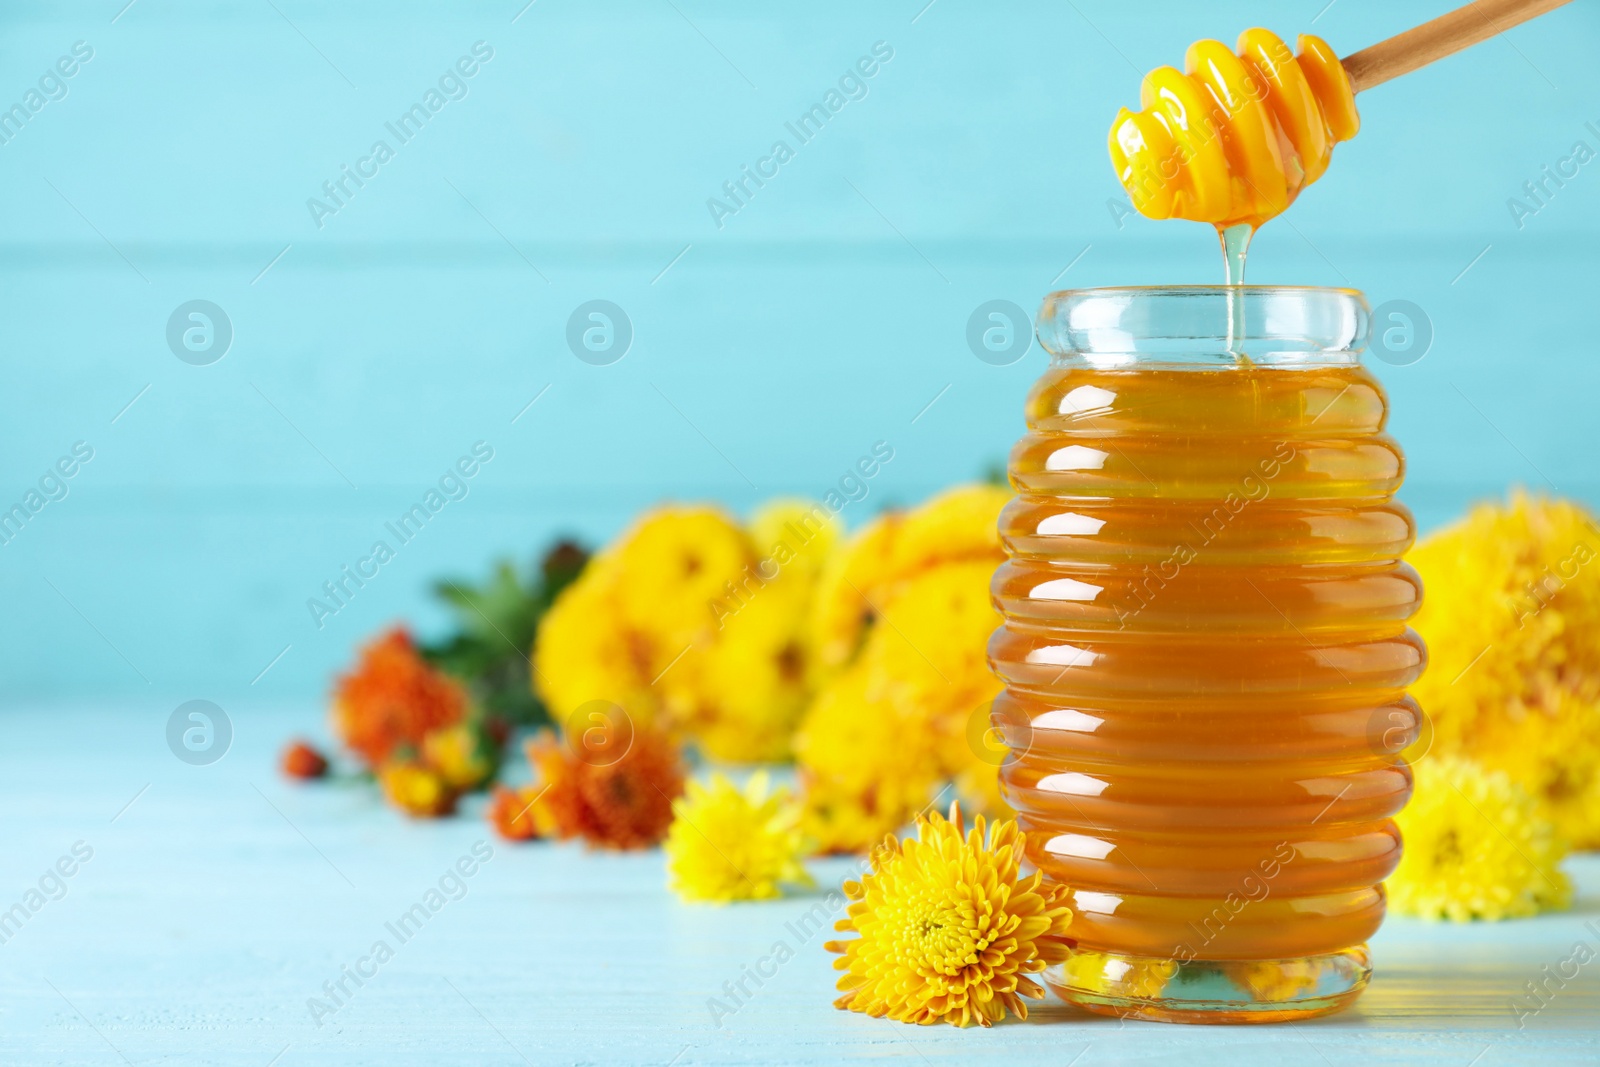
{"type": "Point", "coordinates": [1211, 991]}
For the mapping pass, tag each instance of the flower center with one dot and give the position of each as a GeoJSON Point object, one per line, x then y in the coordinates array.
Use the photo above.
{"type": "Point", "coordinates": [942, 940]}
{"type": "Point", "coordinates": [791, 663]}
{"type": "Point", "coordinates": [620, 788]}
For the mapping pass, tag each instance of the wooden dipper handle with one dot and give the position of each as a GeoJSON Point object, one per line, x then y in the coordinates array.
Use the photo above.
{"type": "Point", "coordinates": [1445, 35]}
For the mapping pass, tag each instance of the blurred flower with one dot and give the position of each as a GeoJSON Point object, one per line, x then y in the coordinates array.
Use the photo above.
{"type": "Point", "coordinates": [622, 805]}
{"type": "Point", "coordinates": [458, 755]}
{"type": "Point", "coordinates": [761, 668]}
{"type": "Point", "coordinates": [868, 765]}
{"type": "Point", "coordinates": [393, 699]}
{"type": "Point", "coordinates": [677, 562]}
{"type": "Point", "coordinates": [936, 654]}
{"type": "Point", "coordinates": [796, 535]}
{"type": "Point", "coordinates": [728, 843]}
{"type": "Point", "coordinates": [583, 652]}
{"type": "Point", "coordinates": [947, 929]}
{"type": "Point", "coordinates": [1477, 847]}
{"type": "Point", "coordinates": [754, 676]}
{"type": "Point", "coordinates": [695, 625]}
{"type": "Point", "coordinates": [510, 812]}
{"type": "Point", "coordinates": [902, 617]}
{"type": "Point", "coordinates": [300, 760]}
{"type": "Point", "coordinates": [1512, 623]}
{"type": "Point", "coordinates": [416, 789]}
{"type": "Point", "coordinates": [838, 820]}
{"type": "Point", "coordinates": [959, 525]}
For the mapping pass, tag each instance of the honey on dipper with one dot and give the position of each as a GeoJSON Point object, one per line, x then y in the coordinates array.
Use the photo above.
{"type": "Point", "coordinates": [1234, 138]}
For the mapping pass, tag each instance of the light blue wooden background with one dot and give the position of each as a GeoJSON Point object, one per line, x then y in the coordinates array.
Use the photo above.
{"type": "Point", "coordinates": [823, 317]}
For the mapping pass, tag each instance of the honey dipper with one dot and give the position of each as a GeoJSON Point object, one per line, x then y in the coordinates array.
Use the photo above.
{"type": "Point", "coordinates": [1236, 137]}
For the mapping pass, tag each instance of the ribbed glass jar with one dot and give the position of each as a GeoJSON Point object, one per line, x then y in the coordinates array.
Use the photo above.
{"type": "Point", "coordinates": [1205, 647]}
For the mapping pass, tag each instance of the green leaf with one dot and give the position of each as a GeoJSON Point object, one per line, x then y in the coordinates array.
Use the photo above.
{"type": "Point", "coordinates": [495, 627]}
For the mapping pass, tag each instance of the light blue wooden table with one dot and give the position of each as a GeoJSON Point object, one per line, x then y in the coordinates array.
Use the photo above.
{"type": "Point", "coordinates": [219, 899]}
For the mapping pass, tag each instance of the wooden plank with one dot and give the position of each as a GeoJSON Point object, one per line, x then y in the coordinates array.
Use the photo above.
{"type": "Point", "coordinates": [220, 900]}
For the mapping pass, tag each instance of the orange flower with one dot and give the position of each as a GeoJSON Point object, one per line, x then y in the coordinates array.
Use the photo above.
{"type": "Point", "coordinates": [416, 789]}
{"type": "Point", "coordinates": [393, 698]}
{"type": "Point", "coordinates": [511, 813]}
{"type": "Point", "coordinates": [300, 760]}
{"type": "Point", "coordinates": [622, 804]}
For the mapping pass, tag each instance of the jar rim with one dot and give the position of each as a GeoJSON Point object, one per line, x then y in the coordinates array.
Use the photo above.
{"type": "Point", "coordinates": [1198, 289]}
{"type": "Point", "coordinates": [1205, 325]}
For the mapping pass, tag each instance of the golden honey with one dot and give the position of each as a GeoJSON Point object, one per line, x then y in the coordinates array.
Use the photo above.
{"type": "Point", "coordinates": [1236, 135]}
{"type": "Point", "coordinates": [1205, 647]}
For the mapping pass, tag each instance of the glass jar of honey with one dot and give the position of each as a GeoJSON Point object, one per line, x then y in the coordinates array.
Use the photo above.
{"type": "Point", "coordinates": [1205, 647]}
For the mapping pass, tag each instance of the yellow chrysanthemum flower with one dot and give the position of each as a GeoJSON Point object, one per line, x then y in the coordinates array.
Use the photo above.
{"type": "Point", "coordinates": [1477, 846]}
{"type": "Point", "coordinates": [755, 673]}
{"type": "Point", "coordinates": [728, 843]}
{"type": "Point", "coordinates": [677, 561]}
{"type": "Point", "coordinates": [869, 765]}
{"type": "Point", "coordinates": [1555, 755]}
{"type": "Point", "coordinates": [947, 930]}
{"type": "Point", "coordinates": [583, 653]}
{"type": "Point", "coordinates": [1512, 623]}
{"type": "Point", "coordinates": [959, 525]}
{"type": "Point", "coordinates": [694, 624]}
{"type": "Point", "coordinates": [907, 606]}
{"type": "Point", "coordinates": [841, 610]}
{"type": "Point", "coordinates": [623, 630]}
{"type": "Point", "coordinates": [838, 820]}
{"type": "Point", "coordinates": [799, 536]}
{"type": "Point", "coordinates": [933, 642]}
